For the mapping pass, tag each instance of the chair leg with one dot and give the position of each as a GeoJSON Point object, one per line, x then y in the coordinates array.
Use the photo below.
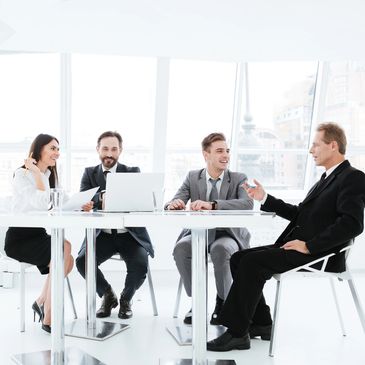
{"type": "Point", "coordinates": [22, 297]}
{"type": "Point", "coordinates": [178, 297]}
{"type": "Point", "coordinates": [152, 292]}
{"type": "Point", "coordinates": [71, 296]}
{"type": "Point", "coordinates": [337, 306]}
{"type": "Point", "coordinates": [357, 302]}
{"type": "Point", "coordinates": [275, 318]}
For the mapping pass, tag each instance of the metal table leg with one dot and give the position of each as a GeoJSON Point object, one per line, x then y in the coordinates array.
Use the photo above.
{"type": "Point", "coordinates": [199, 291]}
{"type": "Point", "coordinates": [58, 355]}
{"type": "Point", "coordinates": [92, 329]}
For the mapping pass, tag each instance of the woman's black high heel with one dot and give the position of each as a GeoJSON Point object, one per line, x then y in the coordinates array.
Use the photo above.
{"type": "Point", "coordinates": [46, 327]}
{"type": "Point", "coordinates": [39, 310]}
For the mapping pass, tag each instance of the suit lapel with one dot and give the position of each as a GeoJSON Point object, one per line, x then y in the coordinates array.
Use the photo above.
{"type": "Point", "coordinates": [225, 185]}
{"type": "Point", "coordinates": [121, 168]}
{"type": "Point", "coordinates": [99, 177]}
{"type": "Point", "coordinates": [202, 186]}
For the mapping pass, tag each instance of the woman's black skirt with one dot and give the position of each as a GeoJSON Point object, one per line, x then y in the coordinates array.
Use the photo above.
{"type": "Point", "coordinates": [31, 245]}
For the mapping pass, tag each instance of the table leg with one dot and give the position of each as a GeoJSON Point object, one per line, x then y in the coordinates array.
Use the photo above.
{"type": "Point", "coordinates": [92, 329]}
{"type": "Point", "coordinates": [199, 297]}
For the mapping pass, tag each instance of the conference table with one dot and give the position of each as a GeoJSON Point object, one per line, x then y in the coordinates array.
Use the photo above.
{"type": "Point", "coordinates": [199, 222]}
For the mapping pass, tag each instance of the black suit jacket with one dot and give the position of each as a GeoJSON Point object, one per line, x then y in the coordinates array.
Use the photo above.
{"type": "Point", "coordinates": [93, 177]}
{"type": "Point", "coordinates": [328, 218]}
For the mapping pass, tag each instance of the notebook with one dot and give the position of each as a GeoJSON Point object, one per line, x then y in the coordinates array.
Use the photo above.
{"type": "Point", "coordinates": [134, 192]}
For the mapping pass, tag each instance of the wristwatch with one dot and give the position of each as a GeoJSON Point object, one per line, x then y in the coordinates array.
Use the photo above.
{"type": "Point", "coordinates": [214, 205]}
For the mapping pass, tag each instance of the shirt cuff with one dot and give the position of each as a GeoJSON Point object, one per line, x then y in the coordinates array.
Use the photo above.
{"type": "Point", "coordinates": [263, 201]}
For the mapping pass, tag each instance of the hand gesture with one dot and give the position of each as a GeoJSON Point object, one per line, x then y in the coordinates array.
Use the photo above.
{"type": "Point", "coordinates": [31, 164]}
{"type": "Point", "coordinates": [254, 192]}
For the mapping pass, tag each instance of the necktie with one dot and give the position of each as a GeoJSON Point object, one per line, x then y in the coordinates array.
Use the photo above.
{"type": "Point", "coordinates": [214, 192]}
{"type": "Point", "coordinates": [213, 195]}
{"type": "Point", "coordinates": [317, 184]}
{"type": "Point", "coordinates": [106, 172]}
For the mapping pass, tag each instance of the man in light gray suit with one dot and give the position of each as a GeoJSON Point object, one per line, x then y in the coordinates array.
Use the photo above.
{"type": "Point", "coordinates": [212, 188]}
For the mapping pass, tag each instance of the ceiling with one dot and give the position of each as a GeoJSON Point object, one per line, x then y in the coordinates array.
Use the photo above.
{"type": "Point", "coordinates": [255, 30]}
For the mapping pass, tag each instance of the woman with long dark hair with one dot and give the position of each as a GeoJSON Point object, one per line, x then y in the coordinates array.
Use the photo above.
{"type": "Point", "coordinates": [31, 191]}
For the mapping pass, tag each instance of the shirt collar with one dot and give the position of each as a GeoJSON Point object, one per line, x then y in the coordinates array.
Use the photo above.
{"type": "Point", "coordinates": [209, 177]}
{"type": "Point", "coordinates": [112, 170]}
{"type": "Point", "coordinates": [330, 170]}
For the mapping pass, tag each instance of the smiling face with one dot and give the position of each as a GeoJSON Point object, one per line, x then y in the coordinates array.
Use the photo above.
{"type": "Point", "coordinates": [217, 158]}
{"type": "Point", "coordinates": [49, 155]}
{"type": "Point", "coordinates": [109, 151]}
{"type": "Point", "coordinates": [325, 154]}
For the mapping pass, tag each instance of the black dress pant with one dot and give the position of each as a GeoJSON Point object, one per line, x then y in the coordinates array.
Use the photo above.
{"type": "Point", "coordinates": [251, 268]}
{"type": "Point", "coordinates": [133, 254]}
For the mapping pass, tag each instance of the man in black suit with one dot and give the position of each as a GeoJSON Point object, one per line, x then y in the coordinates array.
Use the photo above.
{"type": "Point", "coordinates": [324, 222]}
{"type": "Point", "coordinates": [132, 244]}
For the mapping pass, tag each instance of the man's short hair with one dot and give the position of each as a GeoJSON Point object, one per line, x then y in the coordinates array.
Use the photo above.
{"type": "Point", "coordinates": [111, 134]}
{"type": "Point", "coordinates": [213, 137]}
{"type": "Point", "coordinates": [333, 132]}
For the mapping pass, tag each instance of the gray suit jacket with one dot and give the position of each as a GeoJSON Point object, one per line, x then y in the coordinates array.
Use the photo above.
{"type": "Point", "coordinates": [231, 197]}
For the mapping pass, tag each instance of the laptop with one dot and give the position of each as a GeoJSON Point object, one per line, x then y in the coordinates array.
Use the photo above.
{"type": "Point", "coordinates": [134, 192]}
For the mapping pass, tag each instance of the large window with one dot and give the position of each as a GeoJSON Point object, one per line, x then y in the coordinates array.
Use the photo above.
{"type": "Point", "coordinates": [200, 102]}
{"type": "Point", "coordinates": [29, 105]}
{"type": "Point", "coordinates": [274, 134]}
{"type": "Point", "coordinates": [344, 91]}
{"type": "Point", "coordinates": [112, 93]}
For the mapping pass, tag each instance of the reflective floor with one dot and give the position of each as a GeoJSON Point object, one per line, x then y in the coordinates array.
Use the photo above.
{"type": "Point", "coordinates": [308, 333]}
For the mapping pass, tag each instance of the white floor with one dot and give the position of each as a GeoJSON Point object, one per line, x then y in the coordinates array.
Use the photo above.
{"type": "Point", "coordinates": [309, 331]}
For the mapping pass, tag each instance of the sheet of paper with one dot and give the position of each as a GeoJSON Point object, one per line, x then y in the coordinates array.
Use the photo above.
{"type": "Point", "coordinates": [79, 199]}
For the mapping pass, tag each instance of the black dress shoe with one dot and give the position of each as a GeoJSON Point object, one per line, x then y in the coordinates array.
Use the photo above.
{"type": "Point", "coordinates": [257, 330]}
{"type": "Point", "coordinates": [109, 302]}
{"type": "Point", "coordinates": [46, 327]}
{"type": "Point", "coordinates": [188, 317]}
{"type": "Point", "coordinates": [217, 310]}
{"type": "Point", "coordinates": [227, 342]}
{"type": "Point", "coordinates": [38, 309]}
{"type": "Point", "coordinates": [125, 310]}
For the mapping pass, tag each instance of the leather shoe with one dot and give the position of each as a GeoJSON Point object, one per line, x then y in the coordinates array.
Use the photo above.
{"type": "Point", "coordinates": [257, 330]}
{"type": "Point", "coordinates": [217, 310]}
{"type": "Point", "coordinates": [188, 317]}
{"type": "Point", "coordinates": [227, 342]}
{"type": "Point", "coordinates": [125, 310]}
{"type": "Point", "coordinates": [109, 302]}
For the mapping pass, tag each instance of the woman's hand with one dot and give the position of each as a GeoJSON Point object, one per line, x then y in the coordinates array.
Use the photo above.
{"type": "Point", "coordinates": [31, 165]}
{"type": "Point", "coordinates": [88, 206]}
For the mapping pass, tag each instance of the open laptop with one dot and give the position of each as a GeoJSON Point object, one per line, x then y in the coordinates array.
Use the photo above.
{"type": "Point", "coordinates": [134, 192]}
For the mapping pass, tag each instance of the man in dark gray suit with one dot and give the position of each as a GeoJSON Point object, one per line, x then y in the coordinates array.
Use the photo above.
{"type": "Point", "coordinates": [132, 244]}
{"type": "Point", "coordinates": [212, 188]}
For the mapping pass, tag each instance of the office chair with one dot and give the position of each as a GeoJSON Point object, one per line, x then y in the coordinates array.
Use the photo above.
{"type": "Point", "coordinates": [308, 271]}
{"type": "Point", "coordinates": [150, 284]}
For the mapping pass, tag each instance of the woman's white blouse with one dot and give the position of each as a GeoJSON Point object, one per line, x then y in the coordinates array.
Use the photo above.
{"type": "Point", "coordinates": [26, 196]}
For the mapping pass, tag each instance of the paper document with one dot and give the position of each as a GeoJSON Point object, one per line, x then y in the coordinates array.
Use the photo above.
{"type": "Point", "coordinates": [79, 199]}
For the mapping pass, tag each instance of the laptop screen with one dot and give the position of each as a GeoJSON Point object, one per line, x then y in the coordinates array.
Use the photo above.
{"type": "Point", "coordinates": [134, 192]}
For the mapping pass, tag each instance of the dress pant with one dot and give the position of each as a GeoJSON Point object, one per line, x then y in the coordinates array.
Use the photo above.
{"type": "Point", "coordinates": [245, 303]}
{"type": "Point", "coordinates": [132, 253]}
{"type": "Point", "coordinates": [221, 251]}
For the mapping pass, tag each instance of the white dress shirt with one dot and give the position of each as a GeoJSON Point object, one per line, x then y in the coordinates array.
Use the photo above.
{"type": "Point", "coordinates": [26, 196]}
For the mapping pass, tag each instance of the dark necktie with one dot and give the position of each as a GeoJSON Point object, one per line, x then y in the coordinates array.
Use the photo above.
{"type": "Point", "coordinates": [317, 184]}
{"type": "Point", "coordinates": [106, 172]}
{"type": "Point", "coordinates": [214, 192]}
{"type": "Point", "coordinates": [213, 195]}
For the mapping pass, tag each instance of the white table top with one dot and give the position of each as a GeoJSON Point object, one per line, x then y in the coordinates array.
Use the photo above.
{"type": "Point", "coordinates": [181, 219]}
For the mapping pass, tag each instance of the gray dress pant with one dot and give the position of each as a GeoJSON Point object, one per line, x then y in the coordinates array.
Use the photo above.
{"type": "Point", "coordinates": [220, 251]}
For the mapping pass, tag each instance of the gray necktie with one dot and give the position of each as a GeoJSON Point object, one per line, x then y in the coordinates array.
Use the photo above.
{"type": "Point", "coordinates": [214, 192]}
{"type": "Point", "coordinates": [212, 196]}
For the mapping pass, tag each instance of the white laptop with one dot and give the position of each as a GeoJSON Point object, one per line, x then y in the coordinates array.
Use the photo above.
{"type": "Point", "coordinates": [134, 192]}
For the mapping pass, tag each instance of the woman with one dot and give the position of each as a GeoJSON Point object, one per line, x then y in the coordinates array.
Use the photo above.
{"type": "Point", "coordinates": [31, 191]}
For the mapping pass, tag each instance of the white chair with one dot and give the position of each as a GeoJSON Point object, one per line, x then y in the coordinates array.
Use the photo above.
{"type": "Point", "coordinates": [308, 271]}
{"type": "Point", "coordinates": [23, 267]}
{"type": "Point", "coordinates": [150, 284]}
